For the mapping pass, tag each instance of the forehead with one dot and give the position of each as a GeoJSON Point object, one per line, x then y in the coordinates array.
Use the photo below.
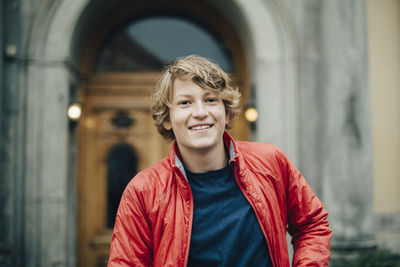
{"type": "Point", "coordinates": [188, 87]}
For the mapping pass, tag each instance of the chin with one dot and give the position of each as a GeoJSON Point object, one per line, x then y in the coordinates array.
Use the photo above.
{"type": "Point", "coordinates": [202, 145]}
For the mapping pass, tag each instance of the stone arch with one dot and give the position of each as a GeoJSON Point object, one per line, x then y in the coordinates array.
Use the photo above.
{"type": "Point", "coordinates": [274, 73]}
{"type": "Point", "coordinates": [268, 32]}
{"type": "Point", "coordinates": [50, 160]}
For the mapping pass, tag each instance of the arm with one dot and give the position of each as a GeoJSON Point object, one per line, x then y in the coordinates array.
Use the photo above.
{"type": "Point", "coordinates": [132, 239]}
{"type": "Point", "coordinates": [307, 222]}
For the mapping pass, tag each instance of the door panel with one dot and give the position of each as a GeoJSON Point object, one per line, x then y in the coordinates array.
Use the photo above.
{"type": "Point", "coordinates": [115, 45]}
{"type": "Point", "coordinates": [116, 112]}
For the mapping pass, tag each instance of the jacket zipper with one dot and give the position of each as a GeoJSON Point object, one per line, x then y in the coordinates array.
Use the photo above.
{"type": "Point", "coordinates": [189, 233]}
{"type": "Point", "coordinates": [273, 258]}
{"type": "Point", "coordinates": [189, 230]}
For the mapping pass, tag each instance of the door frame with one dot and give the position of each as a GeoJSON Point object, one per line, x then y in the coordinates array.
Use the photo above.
{"type": "Point", "coordinates": [206, 15]}
{"type": "Point", "coordinates": [56, 42]}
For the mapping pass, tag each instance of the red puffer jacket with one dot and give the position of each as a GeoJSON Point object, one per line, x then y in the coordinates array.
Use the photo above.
{"type": "Point", "coordinates": [154, 219]}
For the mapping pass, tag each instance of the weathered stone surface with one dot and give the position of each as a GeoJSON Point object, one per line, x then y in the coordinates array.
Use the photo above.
{"type": "Point", "coordinates": [335, 131]}
{"type": "Point", "coordinates": [309, 72]}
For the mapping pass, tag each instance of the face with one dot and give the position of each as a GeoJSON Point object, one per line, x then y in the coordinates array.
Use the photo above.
{"type": "Point", "coordinates": [197, 117]}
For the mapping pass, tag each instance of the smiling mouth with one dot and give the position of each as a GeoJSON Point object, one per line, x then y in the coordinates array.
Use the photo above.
{"type": "Point", "coordinates": [200, 127]}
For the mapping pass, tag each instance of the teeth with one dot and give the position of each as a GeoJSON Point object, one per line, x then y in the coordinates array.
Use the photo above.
{"type": "Point", "coordinates": [201, 127]}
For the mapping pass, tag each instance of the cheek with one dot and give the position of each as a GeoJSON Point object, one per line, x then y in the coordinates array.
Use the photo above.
{"type": "Point", "coordinates": [176, 119]}
{"type": "Point", "coordinates": [224, 115]}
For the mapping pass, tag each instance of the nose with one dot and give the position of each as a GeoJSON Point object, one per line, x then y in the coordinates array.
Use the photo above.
{"type": "Point", "coordinates": [199, 110]}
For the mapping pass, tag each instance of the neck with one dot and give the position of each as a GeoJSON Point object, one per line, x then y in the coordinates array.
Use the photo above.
{"type": "Point", "coordinates": [203, 161]}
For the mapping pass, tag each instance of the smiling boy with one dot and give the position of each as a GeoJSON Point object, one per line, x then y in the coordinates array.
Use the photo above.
{"type": "Point", "coordinates": [198, 119]}
{"type": "Point", "coordinates": [215, 201]}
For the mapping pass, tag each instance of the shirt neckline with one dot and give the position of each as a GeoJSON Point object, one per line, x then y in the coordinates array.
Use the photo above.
{"type": "Point", "coordinates": [208, 174]}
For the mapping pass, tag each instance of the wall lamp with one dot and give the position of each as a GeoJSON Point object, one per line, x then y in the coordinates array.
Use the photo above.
{"type": "Point", "coordinates": [74, 111]}
{"type": "Point", "coordinates": [251, 114]}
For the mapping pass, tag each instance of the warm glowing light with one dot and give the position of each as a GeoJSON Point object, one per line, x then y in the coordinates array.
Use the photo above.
{"type": "Point", "coordinates": [251, 114]}
{"type": "Point", "coordinates": [74, 111]}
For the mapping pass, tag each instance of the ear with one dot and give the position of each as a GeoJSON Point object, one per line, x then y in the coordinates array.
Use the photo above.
{"type": "Point", "coordinates": [227, 120]}
{"type": "Point", "coordinates": [167, 125]}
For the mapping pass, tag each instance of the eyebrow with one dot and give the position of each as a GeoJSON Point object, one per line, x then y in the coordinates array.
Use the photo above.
{"type": "Point", "coordinates": [207, 93]}
{"type": "Point", "coordinates": [185, 95]}
{"type": "Point", "coordinates": [190, 95]}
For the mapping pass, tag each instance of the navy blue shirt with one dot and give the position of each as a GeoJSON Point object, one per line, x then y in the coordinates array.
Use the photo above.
{"type": "Point", "coordinates": [225, 229]}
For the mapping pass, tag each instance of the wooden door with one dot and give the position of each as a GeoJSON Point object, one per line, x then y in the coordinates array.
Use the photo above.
{"type": "Point", "coordinates": [116, 116]}
{"type": "Point", "coordinates": [117, 123]}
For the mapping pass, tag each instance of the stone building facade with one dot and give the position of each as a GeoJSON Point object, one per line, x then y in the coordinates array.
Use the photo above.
{"type": "Point", "coordinates": [305, 65]}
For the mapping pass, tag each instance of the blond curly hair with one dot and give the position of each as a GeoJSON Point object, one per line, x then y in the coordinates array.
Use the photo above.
{"type": "Point", "coordinates": [205, 74]}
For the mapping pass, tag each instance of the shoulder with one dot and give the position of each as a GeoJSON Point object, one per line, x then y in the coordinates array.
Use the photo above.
{"type": "Point", "coordinates": [261, 155]}
{"type": "Point", "coordinates": [254, 149]}
{"type": "Point", "coordinates": [148, 180]}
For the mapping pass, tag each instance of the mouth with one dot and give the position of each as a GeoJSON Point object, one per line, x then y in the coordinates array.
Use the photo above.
{"type": "Point", "coordinates": [200, 127]}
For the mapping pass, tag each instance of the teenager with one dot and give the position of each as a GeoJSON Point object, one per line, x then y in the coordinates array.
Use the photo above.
{"type": "Point", "coordinates": [215, 201]}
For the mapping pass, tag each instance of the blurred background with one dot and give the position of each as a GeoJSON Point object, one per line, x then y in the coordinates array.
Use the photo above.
{"type": "Point", "coordinates": [320, 79]}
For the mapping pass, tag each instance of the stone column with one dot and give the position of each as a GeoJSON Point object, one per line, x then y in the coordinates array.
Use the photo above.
{"type": "Point", "coordinates": [336, 143]}
{"type": "Point", "coordinates": [12, 137]}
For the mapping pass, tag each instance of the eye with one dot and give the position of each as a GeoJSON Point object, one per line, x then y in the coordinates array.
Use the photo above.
{"type": "Point", "coordinates": [183, 102]}
{"type": "Point", "coordinates": [212, 100]}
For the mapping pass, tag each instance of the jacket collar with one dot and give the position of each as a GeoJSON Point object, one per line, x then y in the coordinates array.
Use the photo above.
{"type": "Point", "coordinates": [234, 158]}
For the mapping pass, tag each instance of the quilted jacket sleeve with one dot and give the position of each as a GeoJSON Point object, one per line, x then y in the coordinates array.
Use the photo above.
{"type": "Point", "coordinates": [307, 221]}
{"type": "Point", "coordinates": [132, 239]}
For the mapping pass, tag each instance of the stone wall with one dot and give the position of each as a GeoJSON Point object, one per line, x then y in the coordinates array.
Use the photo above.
{"type": "Point", "coordinates": [309, 69]}
{"type": "Point", "coordinates": [12, 120]}
{"type": "Point", "coordinates": [21, 215]}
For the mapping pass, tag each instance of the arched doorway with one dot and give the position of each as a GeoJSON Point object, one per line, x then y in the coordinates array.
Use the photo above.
{"type": "Point", "coordinates": [58, 36]}
{"type": "Point", "coordinates": [122, 59]}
